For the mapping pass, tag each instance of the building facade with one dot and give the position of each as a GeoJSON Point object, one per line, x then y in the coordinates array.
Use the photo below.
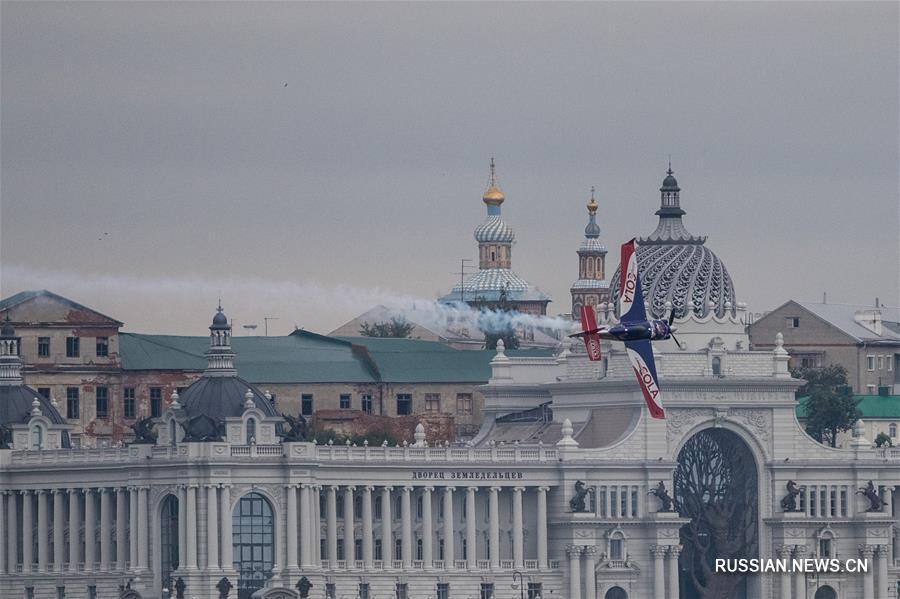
{"type": "Point", "coordinates": [865, 340]}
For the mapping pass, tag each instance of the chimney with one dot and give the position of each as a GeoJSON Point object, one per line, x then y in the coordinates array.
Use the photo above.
{"type": "Point", "coordinates": [871, 319]}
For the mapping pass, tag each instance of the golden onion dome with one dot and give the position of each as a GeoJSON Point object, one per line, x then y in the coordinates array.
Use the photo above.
{"type": "Point", "coordinates": [493, 196]}
{"type": "Point", "coordinates": [592, 203]}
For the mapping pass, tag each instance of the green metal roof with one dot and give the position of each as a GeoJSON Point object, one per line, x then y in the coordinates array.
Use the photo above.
{"type": "Point", "coordinates": [871, 406]}
{"type": "Point", "coordinates": [305, 357]}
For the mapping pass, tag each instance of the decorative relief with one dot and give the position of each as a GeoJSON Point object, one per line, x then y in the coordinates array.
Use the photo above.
{"type": "Point", "coordinates": [678, 421]}
{"type": "Point", "coordinates": [755, 420]}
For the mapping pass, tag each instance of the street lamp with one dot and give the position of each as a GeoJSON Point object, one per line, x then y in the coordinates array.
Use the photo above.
{"type": "Point", "coordinates": [521, 586]}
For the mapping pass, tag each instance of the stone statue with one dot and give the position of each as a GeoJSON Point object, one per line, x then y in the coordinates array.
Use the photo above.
{"type": "Point", "coordinates": [577, 503]}
{"type": "Point", "coordinates": [663, 495]}
{"type": "Point", "coordinates": [297, 430]}
{"type": "Point", "coordinates": [144, 433]}
{"type": "Point", "coordinates": [179, 588]}
{"type": "Point", "coordinates": [789, 501]}
{"type": "Point", "coordinates": [303, 586]}
{"type": "Point", "coordinates": [871, 494]}
{"type": "Point", "coordinates": [224, 587]}
{"type": "Point", "coordinates": [202, 428]}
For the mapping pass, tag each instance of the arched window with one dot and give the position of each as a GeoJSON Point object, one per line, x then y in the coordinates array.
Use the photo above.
{"type": "Point", "coordinates": [251, 430]}
{"type": "Point", "coordinates": [168, 539]}
{"type": "Point", "coordinates": [717, 366]}
{"type": "Point", "coordinates": [254, 543]}
{"type": "Point", "coordinates": [616, 593]}
{"type": "Point", "coordinates": [826, 592]}
{"type": "Point", "coordinates": [892, 430]}
{"type": "Point", "coordinates": [37, 436]}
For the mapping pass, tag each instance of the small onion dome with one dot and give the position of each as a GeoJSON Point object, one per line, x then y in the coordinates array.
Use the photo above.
{"type": "Point", "coordinates": [220, 321]}
{"type": "Point", "coordinates": [493, 196]}
{"type": "Point", "coordinates": [592, 230]}
{"type": "Point", "coordinates": [494, 230]}
{"type": "Point", "coordinates": [669, 183]}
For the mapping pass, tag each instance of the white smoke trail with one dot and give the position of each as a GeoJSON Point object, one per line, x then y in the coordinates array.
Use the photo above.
{"type": "Point", "coordinates": [182, 302]}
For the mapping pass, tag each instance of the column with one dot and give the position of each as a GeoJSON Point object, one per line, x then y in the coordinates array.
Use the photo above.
{"type": "Point", "coordinates": [331, 526]}
{"type": "Point", "coordinates": [12, 533]}
{"type": "Point", "coordinates": [427, 528]}
{"type": "Point", "coordinates": [449, 552]}
{"type": "Point", "coordinates": [27, 532]}
{"type": "Point", "coordinates": [191, 529]}
{"type": "Point", "coordinates": [143, 493]}
{"type": "Point", "coordinates": [212, 527]}
{"type": "Point", "coordinates": [387, 522]}
{"type": "Point", "coordinates": [316, 532]}
{"type": "Point", "coordinates": [349, 528]}
{"type": "Point", "coordinates": [806, 499]}
{"type": "Point", "coordinates": [800, 577]}
{"type": "Point", "coordinates": [518, 530]}
{"type": "Point", "coordinates": [784, 552]}
{"type": "Point", "coordinates": [471, 539]}
{"type": "Point", "coordinates": [227, 537]}
{"type": "Point", "coordinates": [306, 528]}
{"type": "Point", "coordinates": [613, 498]}
{"type": "Point", "coordinates": [659, 575]}
{"type": "Point", "coordinates": [406, 530]}
{"type": "Point", "coordinates": [133, 527]}
{"type": "Point", "coordinates": [674, 551]}
{"type": "Point", "coordinates": [120, 529]}
{"type": "Point", "coordinates": [590, 577]}
{"type": "Point", "coordinates": [629, 506]}
{"type": "Point", "coordinates": [43, 531]}
{"type": "Point", "coordinates": [182, 527]}
{"type": "Point", "coordinates": [543, 563]}
{"type": "Point", "coordinates": [368, 542]}
{"type": "Point", "coordinates": [574, 554]}
{"type": "Point", "coordinates": [494, 527]}
{"type": "Point", "coordinates": [74, 530]}
{"type": "Point", "coordinates": [105, 530]}
{"type": "Point", "coordinates": [881, 573]}
{"type": "Point", "coordinates": [291, 526]}
{"type": "Point", "coordinates": [867, 552]}
{"type": "Point", "coordinates": [3, 508]}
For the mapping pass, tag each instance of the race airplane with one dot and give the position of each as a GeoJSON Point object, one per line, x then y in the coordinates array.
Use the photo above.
{"type": "Point", "coordinates": [634, 329]}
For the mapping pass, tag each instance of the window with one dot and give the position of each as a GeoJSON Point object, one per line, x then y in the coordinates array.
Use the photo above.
{"type": "Point", "coordinates": [60, 592]}
{"type": "Point", "coordinates": [615, 549]}
{"type": "Point", "coordinates": [890, 363]}
{"type": "Point", "coordinates": [465, 552]}
{"type": "Point", "coordinates": [357, 548]}
{"type": "Point", "coordinates": [420, 507]}
{"type": "Point", "coordinates": [330, 590]}
{"type": "Point", "coordinates": [843, 503]}
{"type": "Point", "coordinates": [824, 547]}
{"type": "Point", "coordinates": [792, 322]}
{"type": "Point", "coordinates": [404, 404]}
{"type": "Point", "coordinates": [363, 592]}
{"type": "Point", "coordinates": [463, 403]}
{"type": "Point", "coordinates": [870, 389]}
{"type": "Point", "coordinates": [102, 347]}
{"type": "Point", "coordinates": [345, 401]}
{"type": "Point", "coordinates": [717, 366]}
{"type": "Point", "coordinates": [398, 549]}
{"type": "Point", "coordinates": [253, 532]}
{"type": "Point", "coordinates": [43, 347]}
{"type": "Point", "coordinates": [251, 430]}
{"type": "Point", "coordinates": [398, 507]}
{"type": "Point", "coordinates": [155, 402]}
{"type": "Point", "coordinates": [128, 402]}
{"type": "Point", "coordinates": [378, 550]}
{"type": "Point", "coordinates": [378, 508]}
{"type": "Point", "coordinates": [443, 590]}
{"type": "Point", "coordinates": [101, 402]}
{"type": "Point", "coordinates": [401, 591]}
{"type": "Point", "coordinates": [72, 403]}
{"type": "Point", "coordinates": [892, 430]}
{"type": "Point", "coordinates": [433, 403]}
{"type": "Point", "coordinates": [357, 506]}
{"type": "Point", "coordinates": [880, 362]}
{"type": "Point", "coordinates": [169, 536]}
{"type": "Point", "coordinates": [419, 549]}
{"type": "Point", "coordinates": [487, 590]}
{"type": "Point", "coordinates": [535, 590]}
{"type": "Point", "coordinates": [366, 403]}
{"type": "Point", "coordinates": [72, 347]}
{"type": "Point", "coordinates": [306, 404]}
{"type": "Point", "coordinates": [440, 549]}
{"type": "Point", "coordinates": [340, 549]}
{"type": "Point", "coordinates": [322, 555]}
{"type": "Point", "coordinates": [870, 363]}
{"type": "Point", "coordinates": [44, 392]}
{"type": "Point", "coordinates": [37, 436]}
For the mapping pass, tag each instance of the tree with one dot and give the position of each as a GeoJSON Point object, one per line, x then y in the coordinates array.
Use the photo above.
{"type": "Point", "coordinates": [716, 487]}
{"type": "Point", "coordinates": [883, 439]}
{"type": "Point", "coordinates": [497, 324]}
{"type": "Point", "coordinates": [830, 405]}
{"type": "Point", "coordinates": [397, 327]}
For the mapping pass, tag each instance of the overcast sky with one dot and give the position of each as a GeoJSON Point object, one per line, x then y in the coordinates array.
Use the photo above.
{"type": "Point", "coordinates": [156, 154]}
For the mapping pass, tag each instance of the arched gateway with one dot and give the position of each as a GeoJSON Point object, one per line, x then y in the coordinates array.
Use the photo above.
{"type": "Point", "coordinates": [716, 486]}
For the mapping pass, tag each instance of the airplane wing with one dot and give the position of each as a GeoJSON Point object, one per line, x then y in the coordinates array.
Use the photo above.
{"type": "Point", "coordinates": [641, 356]}
{"type": "Point", "coordinates": [631, 299]}
{"type": "Point", "coordinates": [589, 334]}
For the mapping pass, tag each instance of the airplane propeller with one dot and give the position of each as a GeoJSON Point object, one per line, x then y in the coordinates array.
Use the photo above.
{"type": "Point", "coordinates": [671, 330]}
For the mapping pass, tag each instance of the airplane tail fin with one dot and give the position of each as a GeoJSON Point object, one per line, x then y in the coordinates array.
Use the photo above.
{"type": "Point", "coordinates": [589, 333]}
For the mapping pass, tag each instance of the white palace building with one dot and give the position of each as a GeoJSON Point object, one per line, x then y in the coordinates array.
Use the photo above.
{"type": "Point", "coordinates": [551, 499]}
